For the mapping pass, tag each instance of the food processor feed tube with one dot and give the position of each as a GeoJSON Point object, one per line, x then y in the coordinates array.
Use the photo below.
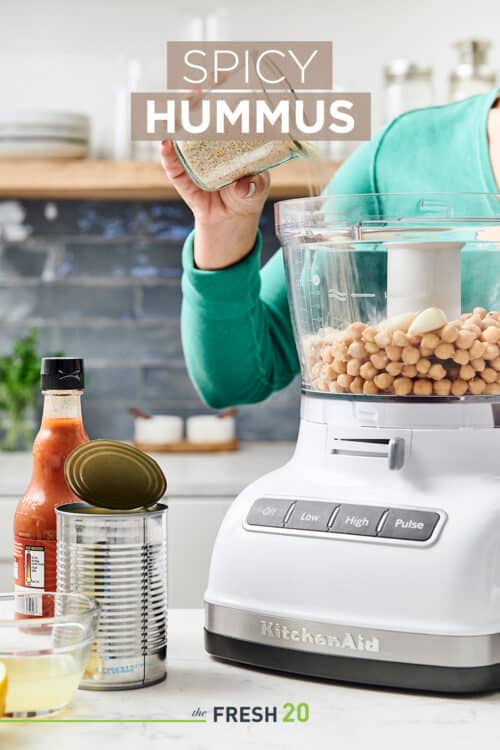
{"type": "Point", "coordinates": [424, 275]}
{"type": "Point", "coordinates": [60, 432]}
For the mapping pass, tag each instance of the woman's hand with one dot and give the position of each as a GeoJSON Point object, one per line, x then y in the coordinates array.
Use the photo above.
{"type": "Point", "coordinates": [226, 221]}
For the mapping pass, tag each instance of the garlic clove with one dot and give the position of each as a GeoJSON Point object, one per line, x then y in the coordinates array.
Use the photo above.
{"type": "Point", "coordinates": [428, 320]}
{"type": "Point", "coordinates": [397, 323]}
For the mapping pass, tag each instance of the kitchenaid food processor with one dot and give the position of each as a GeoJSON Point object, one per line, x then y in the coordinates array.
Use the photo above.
{"type": "Point", "coordinates": [373, 555]}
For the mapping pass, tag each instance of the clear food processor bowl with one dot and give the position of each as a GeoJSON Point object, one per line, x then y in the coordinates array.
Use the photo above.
{"type": "Point", "coordinates": [395, 295]}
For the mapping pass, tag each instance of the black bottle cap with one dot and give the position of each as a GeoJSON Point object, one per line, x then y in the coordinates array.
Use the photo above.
{"type": "Point", "coordinates": [62, 374]}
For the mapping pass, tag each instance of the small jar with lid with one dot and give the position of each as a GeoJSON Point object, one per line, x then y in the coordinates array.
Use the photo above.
{"type": "Point", "coordinates": [214, 164]}
{"type": "Point", "coordinates": [472, 75]}
{"type": "Point", "coordinates": [407, 86]}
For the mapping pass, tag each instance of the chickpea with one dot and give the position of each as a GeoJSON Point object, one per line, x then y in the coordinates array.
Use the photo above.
{"type": "Point", "coordinates": [488, 321]}
{"type": "Point", "coordinates": [478, 364]}
{"type": "Point", "coordinates": [425, 352]}
{"type": "Point", "coordinates": [489, 375]}
{"type": "Point", "coordinates": [369, 388]}
{"type": "Point", "coordinates": [371, 347]}
{"type": "Point", "coordinates": [379, 360]}
{"type": "Point", "coordinates": [320, 385]}
{"type": "Point", "coordinates": [442, 387]}
{"type": "Point", "coordinates": [393, 352]}
{"type": "Point", "coordinates": [369, 333]}
{"type": "Point", "coordinates": [444, 351]}
{"type": "Point", "coordinates": [422, 388]}
{"type": "Point", "coordinates": [459, 387]}
{"type": "Point", "coordinates": [400, 338]}
{"type": "Point", "coordinates": [479, 311]}
{"type": "Point", "coordinates": [410, 355]}
{"type": "Point", "coordinates": [327, 353]}
{"type": "Point", "coordinates": [402, 386]}
{"type": "Point", "coordinates": [423, 366]}
{"type": "Point", "coordinates": [336, 388]}
{"type": "Point", "coordinates": [409, 371]}
{"type": "Point", "coordinates": [353, 367]}
{"type": "Point", "coordinates": [339, 366]}
{"type": "Point", "coordinates": [345, 380]}
{"type": "Point", "coordinates": [492, 352]}
{"type": "Point", "coordinates": [367, 371]}
{"type": "Point", "coordinates": [329, 373]}
{"type": "Point", "coordinates": [449, 334]}
{"type": "Point", "coordinates": [355, 331]}
{"type": "Point", "coordinates": [394, 368]}
{"type": "Point", "coordinates": [383, 381]}
{"type": "Point", "coordinates": [472, 327]}
{"type": "Point", "coordinates": [430, 341]}
{"type": "Point", "coordinates": [461, 356]}
{"type": "Point", "coordinates": [465, 339]}
{"type": "Point", "coordinates": [477, 349]}
{"type": "Point", "coordinates": [437, 372]}
{"type": "Point", "coordinates": [467, 372]}
{"type": "Point", "coordinates": [493, 389]}
{"type": "Point", "coordinates": [496, 364]}
{"type": "Point", "coordinates": [477, 386]}
{"type": "Point", "coordinates": [357, 385]}
{"type": "Point", "coordinates": [357, 350]}
{"type": "Point", "coordinates": [382, 339]}
{"type": "Point", "coordinates": [491, 335]}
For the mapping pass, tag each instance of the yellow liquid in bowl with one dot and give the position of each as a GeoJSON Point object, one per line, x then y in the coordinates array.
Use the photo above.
{"type": "Point", "coordinates": [41, 684]}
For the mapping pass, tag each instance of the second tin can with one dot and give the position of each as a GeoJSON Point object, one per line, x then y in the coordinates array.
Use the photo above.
{"type": "Point", "coordinates": [119, 559]}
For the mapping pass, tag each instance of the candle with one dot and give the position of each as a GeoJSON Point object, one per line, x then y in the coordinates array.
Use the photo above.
{"type": "Point", "coordinates": [208, 428]}
{"type": "Point", "coordinates": [159, 429]}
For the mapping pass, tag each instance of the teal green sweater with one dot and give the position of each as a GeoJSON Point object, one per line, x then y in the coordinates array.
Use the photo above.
{"type": "Point", "coordinates": [236, 327]}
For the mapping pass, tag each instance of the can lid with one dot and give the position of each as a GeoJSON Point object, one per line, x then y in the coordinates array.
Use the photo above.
{"type": "Point", "coordinates": [114, 475]}
{"type": "Point", "coordinates": [61, 374]}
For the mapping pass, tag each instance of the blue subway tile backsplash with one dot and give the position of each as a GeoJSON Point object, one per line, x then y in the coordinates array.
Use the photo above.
{"type": "Point", "coordinates": [102, 280]}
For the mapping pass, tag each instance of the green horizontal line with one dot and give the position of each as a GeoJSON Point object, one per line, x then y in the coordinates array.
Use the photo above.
{"type": "Point", "coordinates": [103, 721]}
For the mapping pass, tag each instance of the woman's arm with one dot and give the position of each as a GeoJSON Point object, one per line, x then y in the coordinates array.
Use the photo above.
{"type": "Point", "coordinates": [236, 327]}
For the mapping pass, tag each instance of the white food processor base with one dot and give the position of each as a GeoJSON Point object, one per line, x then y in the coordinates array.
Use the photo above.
{"type": "Point", "coordinates": [373, 555]}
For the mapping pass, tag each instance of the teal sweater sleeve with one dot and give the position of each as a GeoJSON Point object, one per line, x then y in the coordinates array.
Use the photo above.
{"type": "Point", "coordinates": [236, 327]}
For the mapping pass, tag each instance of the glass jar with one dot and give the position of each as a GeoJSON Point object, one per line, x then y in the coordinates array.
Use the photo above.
{"type": "Point", "coordinates": [395, 295]}
{"type": "Point", "coordinates": [472, 75]}
{"type": "Point", "coordinates": [407, 86]}
{"type": "Point", "coordinates": [214, 164]}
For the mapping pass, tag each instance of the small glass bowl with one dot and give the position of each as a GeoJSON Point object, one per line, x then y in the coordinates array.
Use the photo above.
{"type": "Point", "coordinates": [45, 656]}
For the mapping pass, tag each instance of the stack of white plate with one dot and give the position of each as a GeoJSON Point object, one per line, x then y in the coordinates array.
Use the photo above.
{"type": "Point", "coordinates": [40, 134]}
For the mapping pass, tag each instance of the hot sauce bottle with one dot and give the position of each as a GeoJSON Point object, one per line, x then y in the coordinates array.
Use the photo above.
{"type": "Point", "coordinates": [60, 432]}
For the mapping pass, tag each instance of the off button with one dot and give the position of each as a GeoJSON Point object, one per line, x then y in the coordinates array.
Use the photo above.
{"type": "Point", "coordinates": [268, 512]}
{"type": "Point", "coordinates": [414, 525]}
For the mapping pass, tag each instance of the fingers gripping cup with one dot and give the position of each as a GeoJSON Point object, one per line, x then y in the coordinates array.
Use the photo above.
{"type": "Point", "coordinates": [113, 547]}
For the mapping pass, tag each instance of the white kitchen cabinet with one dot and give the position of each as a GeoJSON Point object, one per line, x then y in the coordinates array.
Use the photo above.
{"type": "Point", "coordinates": [192, 526]}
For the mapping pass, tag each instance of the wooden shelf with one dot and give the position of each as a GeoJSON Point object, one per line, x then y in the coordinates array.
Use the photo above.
{"type": "Point", "coordinates": [109, 180]}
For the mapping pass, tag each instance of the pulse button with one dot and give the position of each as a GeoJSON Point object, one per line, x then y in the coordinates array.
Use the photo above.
{"type": "Point", "coordinates": [415, 525]}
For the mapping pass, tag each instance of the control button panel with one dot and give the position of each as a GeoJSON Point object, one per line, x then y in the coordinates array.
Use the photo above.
{"type": "Point", "coordinates": [357, 519]}
{"type": "Point", "coordinates": [310, 515]}
{"type": "Point", "coordinates": [331, 519]}
{"type": "Point", "coordinates": [269, 512]}
{"type": "Point", "coordinates": [415, 525]}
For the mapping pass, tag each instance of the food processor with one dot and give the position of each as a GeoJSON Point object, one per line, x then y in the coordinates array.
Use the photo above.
{"type": "Point", "coordinates": [373, 555]}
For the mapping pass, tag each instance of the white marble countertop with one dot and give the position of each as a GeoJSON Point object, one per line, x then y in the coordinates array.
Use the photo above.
{"type": "Point", "coordinates": [194, 474]}
{"type": "Point", "coordinates": [342, 717]}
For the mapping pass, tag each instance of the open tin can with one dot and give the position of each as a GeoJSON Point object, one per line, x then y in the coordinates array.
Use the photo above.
{"type": "Point", "coordinates": [118, 557]}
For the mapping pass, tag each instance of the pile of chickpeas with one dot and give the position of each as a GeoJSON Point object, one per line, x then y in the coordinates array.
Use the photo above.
{"type": "Point", "coordinates": [460, 358]}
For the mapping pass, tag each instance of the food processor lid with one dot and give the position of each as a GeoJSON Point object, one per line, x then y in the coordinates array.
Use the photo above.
{"type": "Point", "coordinates": [115, 476]}
{"type": "Point", "coordinates": [387, 217]}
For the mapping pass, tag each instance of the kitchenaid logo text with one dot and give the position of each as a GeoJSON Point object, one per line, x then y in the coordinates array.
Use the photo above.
{"type": "Point", "coordinates": [263, 90]}
{"type": "Point", "coordinates": [342, 641]}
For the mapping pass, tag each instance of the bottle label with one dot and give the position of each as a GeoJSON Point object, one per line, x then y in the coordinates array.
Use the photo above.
{"type": "Point", "coordinates": [34, 571]}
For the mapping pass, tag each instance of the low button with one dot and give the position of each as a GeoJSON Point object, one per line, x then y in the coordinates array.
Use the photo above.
{"type": "Point", "coordinates": [415, 525]}
{"type": "Point", "coordinates": [268, 512]}
{"type": "Point", "coordinates": [312, 516]}
{"type": "Point", "coordinates": [358, 519]}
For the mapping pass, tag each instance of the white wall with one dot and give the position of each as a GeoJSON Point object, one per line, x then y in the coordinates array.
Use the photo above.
{"type": "Point", "coordinates": [71, 55]}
